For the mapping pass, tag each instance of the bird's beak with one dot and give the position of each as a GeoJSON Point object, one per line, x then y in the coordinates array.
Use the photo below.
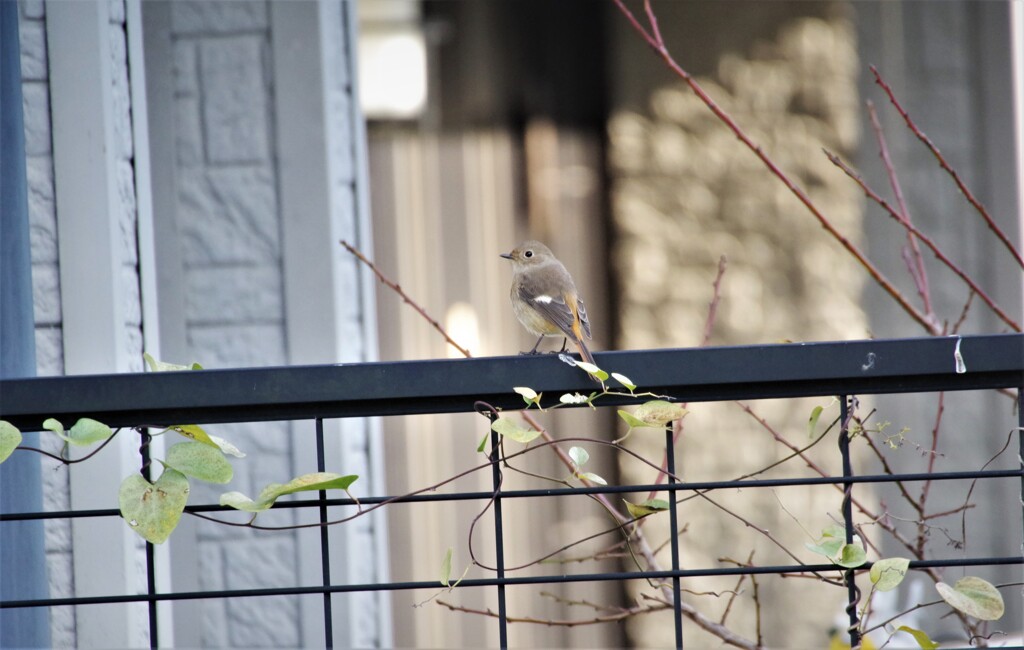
{"type": "Point", "coordinates": [507, 256]}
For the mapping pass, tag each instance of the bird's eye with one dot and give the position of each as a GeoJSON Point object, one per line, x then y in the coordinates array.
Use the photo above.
{"type": "Point", "coordinates": [528, 254]}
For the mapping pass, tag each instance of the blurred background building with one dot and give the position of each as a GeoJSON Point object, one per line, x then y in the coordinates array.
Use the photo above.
{"type": "Point", "coordinates": [233, 156]}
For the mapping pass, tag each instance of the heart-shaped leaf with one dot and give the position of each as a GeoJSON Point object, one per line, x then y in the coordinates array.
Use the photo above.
{"type": "Point", "coordinates": [510, 429]}
{"type": "Point", "coordinates": [657, 413]}
{"type": "Point", "coordinates": [852, 556]}
{"type": "Point", "coordinates": [887, 574]}
{"type": "Point", "coordinates": [153, 509]}
{"type": "Point", "coordinates": [10, 438]}
{"type": "Point", "coordinates": [973, 596]}
{"type": "Point", "coordinates": [579, 456]}
{"type": "Point", "coordinates": [201, 461]}
{"type": "Point", "coordinates": [85, 432]}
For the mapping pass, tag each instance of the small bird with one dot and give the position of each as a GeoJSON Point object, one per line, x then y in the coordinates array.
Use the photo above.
{"type": "Point", "coordinates": [545, 299]}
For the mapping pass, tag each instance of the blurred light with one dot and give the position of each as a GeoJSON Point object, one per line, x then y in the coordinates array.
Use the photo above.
{"type": "Point", "coordinates": [463, 326]}
{"type": "Point", "coordinates": [392, 72]}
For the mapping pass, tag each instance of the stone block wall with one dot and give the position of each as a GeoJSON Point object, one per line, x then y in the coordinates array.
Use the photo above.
{"type": "Point", "coordinates": [685, 192]}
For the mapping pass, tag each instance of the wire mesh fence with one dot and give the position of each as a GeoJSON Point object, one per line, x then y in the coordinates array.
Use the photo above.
{"type": "Point", "coordinates": [317, 393]}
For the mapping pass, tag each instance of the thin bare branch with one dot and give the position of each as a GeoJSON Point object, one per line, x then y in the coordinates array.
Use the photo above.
{"type": "Point", "coordinates": [933, 327]}
{"type": "Point", "coordinates": [989, 221]}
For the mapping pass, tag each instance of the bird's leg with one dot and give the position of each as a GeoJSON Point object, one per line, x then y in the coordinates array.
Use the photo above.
{"type": "Point", "coordinates": [565, 343]}
{"type": "Point", "coordinates": [534, 350]}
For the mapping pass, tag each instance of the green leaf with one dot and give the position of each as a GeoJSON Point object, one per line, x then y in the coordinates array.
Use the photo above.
{"type": "Point", "coordinates": [530, 396]}
{"type": "Point", "coordinates": [648, 507]}
{"type": "Point", "coordinates": [227, 447]}
{"type": "Point", "coordinates": [161, 366]}
{"type": "Point", "coordinates": [579, 456]}
{"type": "Point", "coordinates": [923, 640]}
{"type": "Point", "coordinates": [593, 478]}
{"type": "Point", "coordinates": [239, 501]}
{"type": "Point", "coordinates": [831, 543]}
{"type": "Point", "coordinates": [446, 568]}
{"type": "Point", "coordinates": [273, 491]}
{"type": "Point", "coordinates": [483, 443]}
{"type": "Point", "coordinates": [852, 556]}
{"type": "Point", "coordinates": [657, 413]}
{"type": "Point", "coordinates": [85, 432]}
{"type": "Point", "coordinates": [510, 429]}
{"type": "Point", "coordinates": [631, 420]}
{"type": "Point", "coordinates": [624, 380]}
{"type": "Point", "coordinates": [887, 574]}
{"type": "Point", "coordinates": [10, 438]}
{"type": "Point", "coordinates": [201, 461]}
{"type": "Point", "coordinates": [829, 548]}
{"type": "Point", "coordinates": [153, 509]}
{"type": "Point", "coordinates": [812, 423]}
{"type": "Point", "coordinates": [973, 596]}
{"type": "Point", "coordinates": [593, 370]}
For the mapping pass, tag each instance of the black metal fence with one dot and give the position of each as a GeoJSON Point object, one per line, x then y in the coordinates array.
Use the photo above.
{"type": "Point", "coordinates": [843, 369]}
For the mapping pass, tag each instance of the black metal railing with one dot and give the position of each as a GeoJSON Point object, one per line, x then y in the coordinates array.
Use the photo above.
{"type": "Point", "coordinates": [843, 369]}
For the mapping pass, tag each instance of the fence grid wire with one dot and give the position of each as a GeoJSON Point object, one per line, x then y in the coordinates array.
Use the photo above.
{"type": "Point", "coordinates": [842, 369]}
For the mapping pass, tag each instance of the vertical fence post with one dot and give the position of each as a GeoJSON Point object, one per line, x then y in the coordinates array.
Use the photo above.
{"type": "Point", "coordinates": [147, 473]}
{"type": "Point", "coordinates": [1020, 448]}
{"type": "Point", "coordinates": [499, 544]}
{"type": "Point", "coordinates": [853, 593]}
{"type": "Point", "coordinates": [325, 542]}
{"type": "Point", "coordinates": [670, 465]}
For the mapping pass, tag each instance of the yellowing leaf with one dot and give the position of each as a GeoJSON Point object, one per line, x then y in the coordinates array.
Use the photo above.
{"type": "Point", "coordinates": [887, 574]}
{"type": "Point", "coordinates": [851, 556]}
{"type": "Point", "coordinates": [658, 413]}
{"type": "Point", "coordinates": [153, 509]}
{"type": "Point", "coordinates": [973, 596]}
{"type": "Point", "coordinates": [923, 640]}
{"type": "Point", "coordinates": [10, 438]}
{"type": "Point", "coordinates": [161, 366]}
{"type": "Point", "coordinates": [446, 568]}
{"type": "Point", "coordinates": [813, 421]}
{"type": "Point", "coordinates": [649, 507]}
{"type": "Point", "coordinates": [510, 429]}
{"type": "Point", "coordinates": [194, 432]}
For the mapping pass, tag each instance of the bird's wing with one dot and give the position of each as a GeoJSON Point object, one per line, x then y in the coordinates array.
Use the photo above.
{"type": "Point", "coordinates": [557, 310]}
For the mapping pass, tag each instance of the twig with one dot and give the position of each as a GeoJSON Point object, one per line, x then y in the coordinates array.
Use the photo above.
{"type": "Point", "coordinates": [657, 44]}
{"type": "Point", "coordinates": [915, 263]}
{"type": "Point", "coordinates": [397, 289]}
{"type": "Point", "coordinates": [946, 166]}
{"type": "Point", "coordinates": [911, 228]}
{"type": "Point", "coordinates": [716, 296]}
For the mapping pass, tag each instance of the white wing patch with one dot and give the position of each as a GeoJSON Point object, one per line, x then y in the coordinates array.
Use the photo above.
{"type": "Point", "coordinates": [544, 299]}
